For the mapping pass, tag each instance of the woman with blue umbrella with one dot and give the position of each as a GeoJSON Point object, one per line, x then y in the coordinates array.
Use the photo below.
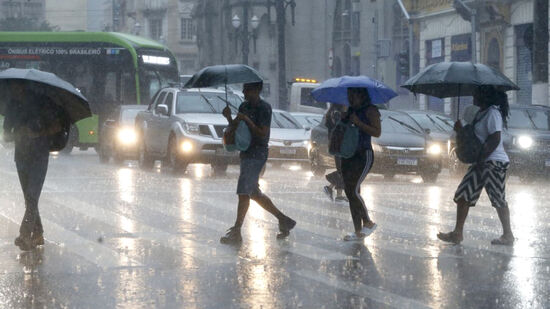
{"type": "Point", "coordinates": [360, 93]}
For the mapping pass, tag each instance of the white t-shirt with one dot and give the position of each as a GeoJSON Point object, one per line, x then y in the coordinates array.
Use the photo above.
{"type": "Point", "coordinates": [490, 123]}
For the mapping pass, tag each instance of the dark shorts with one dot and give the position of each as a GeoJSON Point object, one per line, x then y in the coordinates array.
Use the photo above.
{"type": "Point", "coordinates": [250, 176]}
{"type": "Point", "coordinates": [492, 177]}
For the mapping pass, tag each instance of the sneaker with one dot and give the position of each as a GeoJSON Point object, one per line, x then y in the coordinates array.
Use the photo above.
{"type": "Point", "coordinates": [24, 243]}
{"type": "Point", "coordinates": [354, 237]}
{"type": "Point", "coordinates": [328, 192]}
{"type": "Point", "coordinates": [233, 236]}
{"type": "Point", "coordinates": [341, 199]}
{"type": "Point", "coordinates": [367, 231]}
{"type": "Point", "coordinates": [37, 239]}
{"type": "Point", "coordinates": [285, 225]}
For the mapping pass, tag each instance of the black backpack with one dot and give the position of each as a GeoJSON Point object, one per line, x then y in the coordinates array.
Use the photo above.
{"type": "Point", "coordinates": [468, 146]}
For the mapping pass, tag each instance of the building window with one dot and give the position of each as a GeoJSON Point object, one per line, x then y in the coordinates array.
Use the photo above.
{"type": "Point", "coordinates": [187, 29]}
{"type": "Point", "coordinates": [155, 28]}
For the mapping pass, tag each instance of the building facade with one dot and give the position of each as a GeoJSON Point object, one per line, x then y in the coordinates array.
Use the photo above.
{"type": "Point", "coordinates": [504, 40]}
{"type": "Point", "coordinates": [166, 21]}
{"type": "Point", "coordinates": [33, 9]}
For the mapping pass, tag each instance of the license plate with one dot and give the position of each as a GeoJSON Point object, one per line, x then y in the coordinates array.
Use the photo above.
{"type": "Point", "coordinates": [407, 161]}
{"type": "Point", "coordinates": [547, 163]}
{"type": "Point", "coordinates": [288, 151]}
{"type": "Point", "coordinates": [223, 152]}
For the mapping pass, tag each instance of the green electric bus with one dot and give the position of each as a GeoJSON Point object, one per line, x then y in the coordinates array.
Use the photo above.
{"type": "Point", "coordinates": [110, 69]}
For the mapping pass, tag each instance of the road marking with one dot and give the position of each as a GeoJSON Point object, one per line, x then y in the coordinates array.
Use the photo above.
{"type": "Point", "coordinates": [358, 288]}
{"type": "Point", "coordinates": [91, 251]}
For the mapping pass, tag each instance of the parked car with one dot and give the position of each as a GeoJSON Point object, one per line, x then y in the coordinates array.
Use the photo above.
{"type": "Point", "coordinates": [118, 138]}
{"type": "Point", "coordinates": [289, 141]}
{"type": "Point", "coordinates": [403, 148]}
{"type": "Point", "coordinates": [308, 120]}
{"type": "Point", "coordinates": [183, 126]}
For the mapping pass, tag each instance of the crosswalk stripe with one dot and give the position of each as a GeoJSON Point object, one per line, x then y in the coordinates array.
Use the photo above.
{"type": "Point", "coordinates": [91, 251]}
{"type": "Point", "coordinates": [357, 288]}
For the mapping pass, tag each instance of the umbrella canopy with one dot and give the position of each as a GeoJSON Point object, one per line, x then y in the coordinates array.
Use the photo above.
{"type": "Point", "coordinates": [222, 75]}
{"type": "Point", "coordinates": [455, 79]}
{"type": "Point", "coordinates": [335, 90]}
{"type": "Point", "coordinates": [58, 90]}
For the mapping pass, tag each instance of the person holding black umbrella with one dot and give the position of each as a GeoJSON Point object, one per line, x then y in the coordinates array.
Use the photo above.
{"type": "Point", "coordinates": [489, 171]}
{"type": "Point", "coordinates": [256, 113]}
{"type": "Point", "coordinates": [30, 121]}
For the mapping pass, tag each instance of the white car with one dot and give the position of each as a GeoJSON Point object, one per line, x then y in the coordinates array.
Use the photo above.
{"type": "Point", "coordinates": [289, 141]}
{"type": "Point", "coordinates": [183, 126]}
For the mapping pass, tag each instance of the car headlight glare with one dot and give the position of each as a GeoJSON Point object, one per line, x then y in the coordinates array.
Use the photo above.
{"type": "Point", "coordinates": [191, 128]}
{"type": "Point", "coordinates": [525, 141]}
{"type": "Point", "coordinates": [434, 149]}
{"type": "Point", "coordinates": [186, 146]}
{"type": "Point", "coordinates": [127, 136]}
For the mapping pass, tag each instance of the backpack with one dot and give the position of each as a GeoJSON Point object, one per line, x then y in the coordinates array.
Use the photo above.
{"type": "Point", "coordinates": [343, 140]}
{"type": "Point", "coordinates": [468, 146]}
{"type": "Point", "coordinates": [237, 138]}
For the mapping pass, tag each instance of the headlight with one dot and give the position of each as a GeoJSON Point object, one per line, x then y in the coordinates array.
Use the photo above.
{"type": "Point", "coordinates": [127, 136]}
{"type": "Point", "coordinates": [525, 142]}
{"type": "Point", "coordinates": [434, 149]}
{"type": "Point", "coordinates": [307, 144]}
{"type": "Point", "coordinates": [191, 128]}
{"type": "Point", "coordinates": [377, 148]}
{"type": "Point", "coordinates": [186, 146]}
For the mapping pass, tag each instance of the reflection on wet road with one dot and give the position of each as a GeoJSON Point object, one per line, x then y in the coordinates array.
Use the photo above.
{"type": "Point", "coordinates": [118, 236]}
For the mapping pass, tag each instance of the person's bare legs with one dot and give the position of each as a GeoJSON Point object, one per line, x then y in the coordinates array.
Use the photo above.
{"type": "Point", "coordinates": [456, 236]}
{"type": "Point", "coordinates": [265, 202]}
{"type": "Point", "coordinates": [244, 204]}
{"type": "Point", "coordinates": [507, 237]}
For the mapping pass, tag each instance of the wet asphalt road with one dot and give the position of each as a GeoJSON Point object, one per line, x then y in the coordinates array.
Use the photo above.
{"type": "Point", "coordinates": [120, 237]}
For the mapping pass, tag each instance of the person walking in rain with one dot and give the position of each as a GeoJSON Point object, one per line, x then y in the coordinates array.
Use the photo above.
{"type": "Point", "coordinates": [332, 116]}
{"type": "Point", "coordinates": [29, 121]}
{"type": "Point", "coordinates": [490, 170]}
{"type": "Point", "coordinates": [363, 114]}
{"type": "Point", "coordinates": [256, 113]}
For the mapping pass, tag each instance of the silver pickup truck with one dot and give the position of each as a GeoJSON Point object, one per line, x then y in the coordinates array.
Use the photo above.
{"type": "Point", "coordinates": [183, 126]}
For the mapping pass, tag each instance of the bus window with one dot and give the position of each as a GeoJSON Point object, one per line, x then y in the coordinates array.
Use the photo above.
{"type": "Point", "coordinates": [129, 88]}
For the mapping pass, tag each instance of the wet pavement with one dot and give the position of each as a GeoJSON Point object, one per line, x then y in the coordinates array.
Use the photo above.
{"type": "Point", "coordinates": [117, 236]}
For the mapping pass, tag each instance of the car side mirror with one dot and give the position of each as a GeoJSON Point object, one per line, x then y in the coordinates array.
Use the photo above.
{"type": "Point", "coordinates": [162, 109]}
{"type": "Point", "coordinates": [110, 122]}
{"type": "Point", "coordinates": [428, 131]}
{"type": "Point", "coordinates": [308, 128]}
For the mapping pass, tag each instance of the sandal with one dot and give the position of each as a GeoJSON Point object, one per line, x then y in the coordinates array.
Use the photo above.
{"type": "Point", "coordinates": [503, 241]}
{"type": "Point", "coordinates": [451, 237]}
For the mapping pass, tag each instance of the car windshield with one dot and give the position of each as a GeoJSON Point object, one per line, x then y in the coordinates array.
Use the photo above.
{"type": "Point", "coordinates": [308, 121]}
{"type": "Point", "coordinates": [284, 121]}
{"type": "Point", "coordinates": [427, 121]}
{"type": "Point", "coordinates": [205, 102]}
{"type": "Point", "coordinates": [129, 116]}
{"type": "Point", "coordinates": [520, 119]}
{"type": "Point", "coordinates": [541, 119]}
{"type": "Point", "coordinates": [397, 123]}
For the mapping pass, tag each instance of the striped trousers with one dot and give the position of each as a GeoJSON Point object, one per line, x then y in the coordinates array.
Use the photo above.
{"type": "Point", "coordinates": [354, 171]}
{"type": "Point", "coordinates": [491, 176]}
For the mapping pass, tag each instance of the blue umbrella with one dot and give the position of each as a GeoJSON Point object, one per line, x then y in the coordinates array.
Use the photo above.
{"type": "Point", "coordinates": [335, 90]}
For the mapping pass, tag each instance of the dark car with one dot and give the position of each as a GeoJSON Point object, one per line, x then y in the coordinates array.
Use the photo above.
{"type": "Point", "coordinates": [527, 141]}
{"type": "Point", "coordinates": [403, 148]}
{"type": "Point", "coordinates": [438, 126]}
{"type": "Point", "coordinates": [119, 138]}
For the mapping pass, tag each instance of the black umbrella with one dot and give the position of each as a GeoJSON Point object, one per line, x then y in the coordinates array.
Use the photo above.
{"type": "Point", "coordinates": [455, 79]}
{"type": "Point", "coordinates": [222, 75]}
{"type": "Point", "coordinates": [58, 90]}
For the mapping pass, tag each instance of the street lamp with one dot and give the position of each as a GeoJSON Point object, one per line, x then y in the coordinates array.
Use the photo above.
{"type": "Point", "coordinates": [244, 34]}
